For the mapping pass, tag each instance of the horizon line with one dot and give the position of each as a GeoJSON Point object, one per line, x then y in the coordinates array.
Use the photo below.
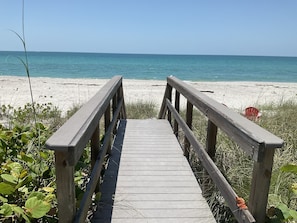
{"type": "Point", "coordinates": [161, 54]}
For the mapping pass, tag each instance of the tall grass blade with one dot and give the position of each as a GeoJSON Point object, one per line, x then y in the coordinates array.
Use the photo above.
{"type": "Point", "coordinates": [26, 65]}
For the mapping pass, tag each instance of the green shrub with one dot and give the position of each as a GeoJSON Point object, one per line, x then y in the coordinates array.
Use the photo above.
{"type": "Point", "coordinates": [27, 188]}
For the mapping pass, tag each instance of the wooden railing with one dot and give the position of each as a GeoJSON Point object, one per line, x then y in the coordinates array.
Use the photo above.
{"type": "Point", "coordinates": [71, 139]}
{"type": "Point", "coordinates": [254, 140]}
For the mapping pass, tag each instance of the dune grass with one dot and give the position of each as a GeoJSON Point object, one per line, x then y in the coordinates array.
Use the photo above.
{"type": "Point", "coordinates": [281, 121]}
{"type": "Point", "coordinates": [141, 110]}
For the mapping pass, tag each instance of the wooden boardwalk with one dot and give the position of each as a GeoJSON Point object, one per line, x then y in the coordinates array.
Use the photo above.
{"type": "Point", "coordinates": [148, 179]}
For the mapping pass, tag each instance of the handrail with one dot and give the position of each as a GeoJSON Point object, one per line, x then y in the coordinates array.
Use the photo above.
{"type": "Point", "coordinates": [69, 141]}
{"type": "Point", "coordinates": [254, 140]}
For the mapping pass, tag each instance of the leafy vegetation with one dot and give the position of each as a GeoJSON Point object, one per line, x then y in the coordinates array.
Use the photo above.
{"type": "Point", "coordinates": [27, 185]}
{"type": "Point", "coordinates": [27, 177]}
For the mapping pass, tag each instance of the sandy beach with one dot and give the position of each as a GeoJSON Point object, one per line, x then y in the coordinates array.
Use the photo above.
{"type": "Point", "coordinates": [65, 93]}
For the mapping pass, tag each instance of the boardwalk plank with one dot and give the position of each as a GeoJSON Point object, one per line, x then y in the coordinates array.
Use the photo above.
{"type": "Point", "coordinates": [160, 197]}
{"type": "Point", "coordinates": [128, 212]}
{"type": "Point", "coordinates": [152, 168]}
{"type": "Point", "coordinates": [164, 204]}
{"type": "Point", "coordinates": [154, 182]}
{"type": "Point", "coordinates": [156, 190]}
{"type": "Point", "coordinates": [156, 178]}
{"type": "Point", "coordinates": [165, 220]}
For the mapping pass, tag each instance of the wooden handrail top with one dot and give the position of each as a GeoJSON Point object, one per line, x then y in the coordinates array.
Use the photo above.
{"type": "Point", "coordinates": [77, 131]}
{"type": "Point", "coordinates": [251, 137]}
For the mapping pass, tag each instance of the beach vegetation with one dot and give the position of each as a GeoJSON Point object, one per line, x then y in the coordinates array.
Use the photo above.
{"type": "Point", "coordinates": [27, 176]}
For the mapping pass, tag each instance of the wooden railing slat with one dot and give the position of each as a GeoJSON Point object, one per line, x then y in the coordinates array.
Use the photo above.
{"type": "Point", "coordinates": [95, 175]}
{"type": "Point", "coordinates": [250, 137]}
{"type": "Point", "coordinates": [76, 132]}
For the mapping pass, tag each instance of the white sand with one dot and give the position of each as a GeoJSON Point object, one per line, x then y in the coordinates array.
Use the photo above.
{"type": "Point", "coordinates": [65, 93]}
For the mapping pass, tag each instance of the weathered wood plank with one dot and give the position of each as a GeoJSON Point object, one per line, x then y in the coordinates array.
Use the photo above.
{"type": "Point", "coordinates": [194, 204]}
{"type": "Point", "coordinates": [128, 212]}
{"type": "Point", "coordinates": [156, 173]}
{"type": "Point", "coordinates": [155, 181]}
{"type": "Point", "coordinates": [156, 178]}
{"type": "Point", "coordinates": [155, 190]}
{"type": "Point", "coordinates": [152, 159]}
{"type": "Point", "coordinates": [153, 168]}
{"type": "Point", "coordinates": [160, 197]}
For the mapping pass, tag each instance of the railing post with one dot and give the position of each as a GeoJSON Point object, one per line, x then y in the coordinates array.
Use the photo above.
{"type": "Point", "coordinates": [114, 103]}
{"type": "Point", "coordinates": [169, 96]}
{"type": "Point", "coordinates": [260, 186]}
{"type": "Point", "coordinates": [189, 119]}
{"type": "Point", "coordinates": [211, 139]}
{"type": "Point", "coordinates": [65, 188]}
{"type": "Point", "coordinates": [95, 146]}
{"type": "Point", "coordinates": [106, 124]}
{"type": "Point", "coordinates": [114, 107]}
{"type": "Point", "coordinates": [177, 103]}
{"type": "Point", "coordinates": [120, 97]}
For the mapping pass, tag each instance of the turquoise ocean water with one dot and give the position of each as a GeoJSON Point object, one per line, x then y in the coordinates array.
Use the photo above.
{"type": "Point", "coordinates": [150, 67]}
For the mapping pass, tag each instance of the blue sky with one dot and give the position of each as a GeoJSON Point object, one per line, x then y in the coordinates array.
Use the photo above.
{"type": "Point", "coordinates": [215, 27]}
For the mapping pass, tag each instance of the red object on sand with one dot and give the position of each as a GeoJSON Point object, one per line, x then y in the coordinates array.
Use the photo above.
{"type": "Point", "coordinates": [252, 113]}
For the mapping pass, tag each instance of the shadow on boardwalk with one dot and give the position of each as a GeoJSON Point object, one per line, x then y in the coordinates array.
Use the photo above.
{"type": "Point", "coordinates": [108, 187]}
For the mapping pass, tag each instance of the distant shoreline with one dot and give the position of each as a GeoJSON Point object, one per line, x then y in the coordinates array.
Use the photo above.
{"type": "Point", "coordinates": [67, 92]}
